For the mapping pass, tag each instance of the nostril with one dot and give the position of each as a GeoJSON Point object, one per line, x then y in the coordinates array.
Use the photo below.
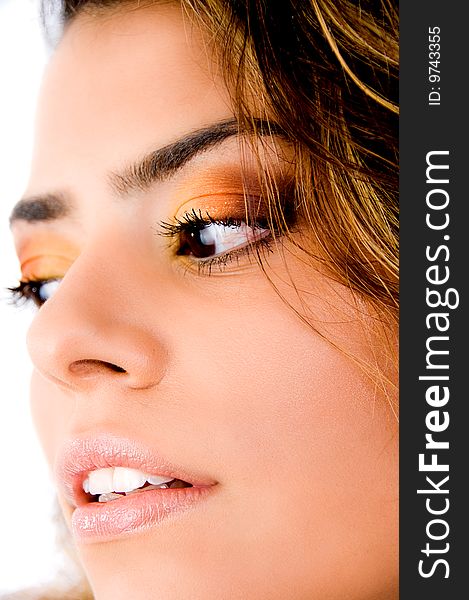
{"type": "Point", "coordinates": [115, 368]}
{"type": "Point", "coordinates": [91, 366]}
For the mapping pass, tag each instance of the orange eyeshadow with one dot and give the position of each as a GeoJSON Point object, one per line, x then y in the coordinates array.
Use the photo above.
{"type": "Point", "coordinates": [220, 193]}
{"type": "Point", "coordinates": [46, 256]}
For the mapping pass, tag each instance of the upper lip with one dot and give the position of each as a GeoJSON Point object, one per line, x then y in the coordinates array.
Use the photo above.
{"type": "Point", "coordinates": [81, 455]}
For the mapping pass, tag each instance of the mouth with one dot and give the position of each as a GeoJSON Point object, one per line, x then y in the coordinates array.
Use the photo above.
{"type": "Point", "coordinates": [117, 487]}
{"type": "Point", "coordinates": [114, 483]}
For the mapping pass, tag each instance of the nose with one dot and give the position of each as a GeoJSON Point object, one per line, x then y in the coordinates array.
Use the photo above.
{"type": "Point", "coordinates": [93, 330]}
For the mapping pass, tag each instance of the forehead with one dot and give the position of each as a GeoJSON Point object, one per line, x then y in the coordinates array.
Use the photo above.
{"type": "Point", "coordinates": [122, 82]}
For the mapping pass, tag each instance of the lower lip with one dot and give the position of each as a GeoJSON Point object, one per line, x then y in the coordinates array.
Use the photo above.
{"type": "Point", "coordinates": [104, 521]}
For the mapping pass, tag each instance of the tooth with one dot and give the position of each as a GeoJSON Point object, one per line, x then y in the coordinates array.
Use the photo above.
{"type": "Point", "coordinates": [161, 486]}
{"type": "Point", "coordinates": [126, 480]}
{"type": "Point", "coordinates": [108, 497]}
{"type": "Point", "coordinates": [156, 480]}
{"type": "Point", "coordinates": [86, 485]}
{"type": "Point", "coordinates": [101, 481]}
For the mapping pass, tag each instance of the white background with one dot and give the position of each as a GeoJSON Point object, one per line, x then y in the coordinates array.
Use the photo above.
{"type": "Point", "coordinates": [27, 554]}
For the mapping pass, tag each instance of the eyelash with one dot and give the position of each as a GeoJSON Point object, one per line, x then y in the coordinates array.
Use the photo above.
{"type": "Point", "coordinates": [194, 221]}
{"type": "Point", "coordinates": [27, 292]}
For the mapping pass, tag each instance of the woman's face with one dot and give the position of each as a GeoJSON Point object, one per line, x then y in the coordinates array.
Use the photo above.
{"type": "Point", "coordinates": [173, 357]}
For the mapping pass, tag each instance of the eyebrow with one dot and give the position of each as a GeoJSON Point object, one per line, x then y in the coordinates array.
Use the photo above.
{"type": "Point", "coordinates": [156, 166]}
{"type": "Point", "coordinates": [46, 207]}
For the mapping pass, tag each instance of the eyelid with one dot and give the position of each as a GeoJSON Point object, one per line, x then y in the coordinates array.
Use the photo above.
{"type": "Point", "coordinates": [224, 206]}
{"type": "Point", "coordinates": [216, 182]}
{"type": "Point", "coordinates": [45, 253]}
{"type": "Point", "coordinates": [45, 267]}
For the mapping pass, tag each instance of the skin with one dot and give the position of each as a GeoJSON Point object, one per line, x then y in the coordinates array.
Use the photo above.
{"type": "Point", "coordinates": [224, 378]}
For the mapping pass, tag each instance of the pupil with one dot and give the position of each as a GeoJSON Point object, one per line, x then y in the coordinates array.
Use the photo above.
{"type": "Point", "coordinates": [192, 244]}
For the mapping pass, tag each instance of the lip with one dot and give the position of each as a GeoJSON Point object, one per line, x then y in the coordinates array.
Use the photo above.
{"type": "Point", "coordinates": [95, 521]}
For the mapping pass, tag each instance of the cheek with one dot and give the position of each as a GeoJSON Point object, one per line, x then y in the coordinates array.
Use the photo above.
{"type": "Point", "coordinates": [51, 412]}
{"type": "Point", "coordinates": [285, 409]}
{"type": "Point", "coordinates": [314, 444]}
{"type": "Point", "coordinates": [304, 445]}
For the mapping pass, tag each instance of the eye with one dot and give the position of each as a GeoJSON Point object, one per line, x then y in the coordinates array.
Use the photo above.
{"type": "Point", "coordinates": [46, 289]}
{"type": "Point", "coordinates": [213, 241]}
{"type": "Point", "coordinates": [218, 238]}
{"type": "Point", "coordinates": [36, 291]}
